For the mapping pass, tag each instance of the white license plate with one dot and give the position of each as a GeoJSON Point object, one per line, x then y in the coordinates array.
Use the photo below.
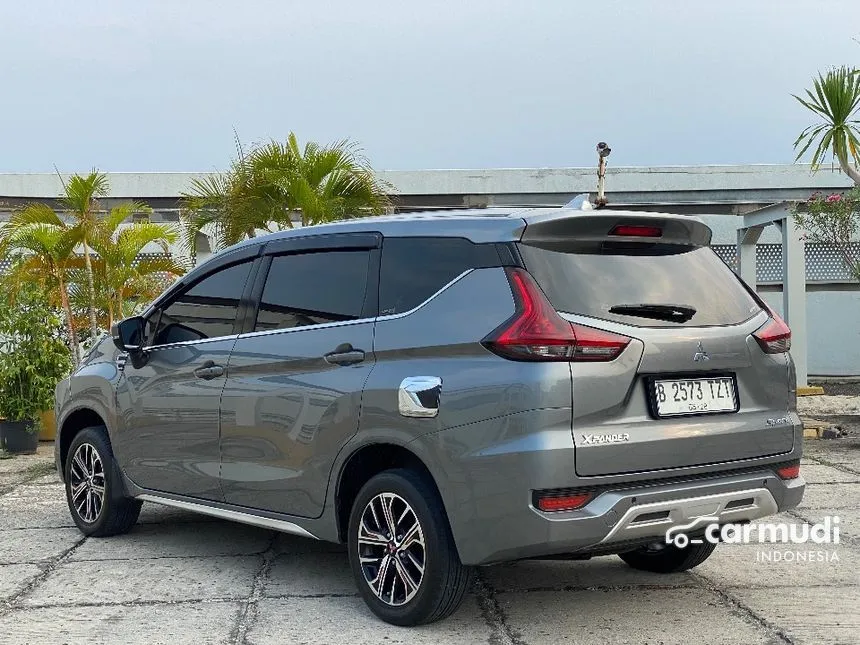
{"type": "Point", "coordinates": [695, 396]}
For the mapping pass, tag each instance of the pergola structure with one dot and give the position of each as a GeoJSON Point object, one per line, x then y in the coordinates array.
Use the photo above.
{"type": "Point", "coordinates": [793, 273]}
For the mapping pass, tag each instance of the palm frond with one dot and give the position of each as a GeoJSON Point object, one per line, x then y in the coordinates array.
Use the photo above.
{"type": "Point", "coordinates": [120, 213]}
{"type": "Point", "coordinates": [835, 98]}
{"type": "Point", "coordinates": [35, 213]}
{"type": "Point", "coordinates": [81, 194]}
{"type": "Point", "coordinates": [150, 265]}
{"type": "Point", "coordinates": [133, 239]}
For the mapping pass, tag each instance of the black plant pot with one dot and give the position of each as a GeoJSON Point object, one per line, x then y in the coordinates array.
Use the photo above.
{"type": "Point", "coordinates": [19, 437]}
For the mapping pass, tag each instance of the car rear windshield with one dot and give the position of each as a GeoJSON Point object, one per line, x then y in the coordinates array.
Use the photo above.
{"type": "Point", "coordinates": [649, 286]}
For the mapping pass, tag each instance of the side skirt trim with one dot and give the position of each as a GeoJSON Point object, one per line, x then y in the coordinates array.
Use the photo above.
{"type": "Point", "coordinates": [236, 516]}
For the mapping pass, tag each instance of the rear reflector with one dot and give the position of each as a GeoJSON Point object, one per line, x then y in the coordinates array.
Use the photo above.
{"type": "Point", "coordinates": [789, 472]}
{"type": "Point", "coordinates": [774, 337]}
{"type": "Point", "coordinates": [636, 230]}
{"type": "Point", "coordinates": [563, 502]}
{"type": "Point", "coordinates": [537, 333]}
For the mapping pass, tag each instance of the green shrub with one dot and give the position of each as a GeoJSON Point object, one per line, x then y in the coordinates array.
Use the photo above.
{"type": "Point", "coordinates": [33, 355]}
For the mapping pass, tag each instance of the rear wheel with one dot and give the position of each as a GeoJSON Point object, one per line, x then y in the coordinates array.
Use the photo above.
{"type": "Point", "coordinates": [668, 558]}
{"type": "Point", "coordinates": [93, 489]}
{"type": "Point", "coordinates": [401, 550]}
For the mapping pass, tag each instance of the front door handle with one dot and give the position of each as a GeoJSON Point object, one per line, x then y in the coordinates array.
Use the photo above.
{"type": "Point", "coordinates": [209, 370]}
{"type": "Point", "coordinates": [344, 354]}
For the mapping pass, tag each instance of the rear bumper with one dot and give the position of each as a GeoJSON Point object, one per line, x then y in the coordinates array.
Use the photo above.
{"type": "Point", "coordinates": [615, 520]}
{"type": "Point", "coordinates": [644, 520]}
{"type": "Point", "coordinates": [490, 471]}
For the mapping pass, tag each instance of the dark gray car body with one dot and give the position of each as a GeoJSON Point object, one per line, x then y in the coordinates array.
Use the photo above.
{"type": "Point", "coordinates": [268, 440]}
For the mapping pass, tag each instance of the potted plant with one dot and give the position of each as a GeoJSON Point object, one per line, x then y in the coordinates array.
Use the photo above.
{"type": "Point", "coordinates": [33, 359]}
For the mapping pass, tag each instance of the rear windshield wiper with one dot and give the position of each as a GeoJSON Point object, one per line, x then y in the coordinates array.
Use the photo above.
{"type": "Point", "coordinates": [671, 313]}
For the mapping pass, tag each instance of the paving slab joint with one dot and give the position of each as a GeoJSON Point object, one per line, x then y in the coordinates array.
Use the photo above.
{"type": "Point", "coordinates": [247, 615]}
{"type": "Point", "coordinates": [29, 475]}
{"type": "Point", "coordinates": [493, 614]}
{"type": "Point", "coordinates": [48, 567]}
{"type": "Point", "coordinates": [776, 633]}
{"type": "Point", "coordinates": [820, 461]}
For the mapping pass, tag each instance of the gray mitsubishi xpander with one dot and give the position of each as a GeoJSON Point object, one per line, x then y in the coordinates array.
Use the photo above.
{"type": "Point", "coordinates": [446, 390]}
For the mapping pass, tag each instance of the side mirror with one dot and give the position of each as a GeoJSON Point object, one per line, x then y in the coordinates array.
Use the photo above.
{"type": "Point", "coordinates": [128, 334]}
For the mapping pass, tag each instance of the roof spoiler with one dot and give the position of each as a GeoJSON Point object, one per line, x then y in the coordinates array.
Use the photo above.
{"type": "Point", "coordinates": [562, 230]}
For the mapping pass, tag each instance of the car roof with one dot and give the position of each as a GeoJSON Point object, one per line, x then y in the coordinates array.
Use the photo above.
{"type": "Point", "coordinates": [476, 224]}
{"type": "Point", "coordinates": [479, 225]}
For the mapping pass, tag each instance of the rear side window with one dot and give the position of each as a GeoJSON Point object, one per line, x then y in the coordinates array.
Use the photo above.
{"type": "Point", "coordinates": [652, 286]}
{"type": "Point", "coordinates": [312, 289]}
{"type": "Point", "coordinates": [414, 268]}
{"type": "Point", "coordinates": [206, 310]}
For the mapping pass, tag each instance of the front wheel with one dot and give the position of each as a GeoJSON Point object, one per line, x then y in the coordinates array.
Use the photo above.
{"type": "Point", "coordinates": [93, 489]}
{"type": "Point", "coordinates": [401, 550]}
{"type": "Point", "coordinates": [668, 558]}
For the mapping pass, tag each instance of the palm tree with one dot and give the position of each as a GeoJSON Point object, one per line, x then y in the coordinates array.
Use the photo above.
{"type": "Point", "coordinates": [233, 205]}
{"type": "Point", "coordinates": [836, 99]}
{"type": "Point", "coordinates": [80, 199]}
{"type": "Point", "coordinates": [126, 275]}
{"type": "Point", "coordinates": [321, 183]}
{"type": "Point", "coordinates": [42, 246]}
{"type": "Point", "coordinates": [277, 181]}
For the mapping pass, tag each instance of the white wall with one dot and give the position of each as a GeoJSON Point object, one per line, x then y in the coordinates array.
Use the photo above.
{"type": "Point", "coordinates": [833, 330]}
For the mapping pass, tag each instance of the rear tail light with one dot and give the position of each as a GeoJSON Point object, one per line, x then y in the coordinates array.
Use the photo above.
{"type": "Point", "coordinates": [552, 503]}
{"type": "Point", "coordinates": [774, 337]}
{"type": "Point", "coordinates": [537, 333]}
{"type": "Point", "coordinates": [597, 345]}
{"type": "Point", "coordinates": [636, 230]}
{"type": "Point", "coordinates": [789, 472]}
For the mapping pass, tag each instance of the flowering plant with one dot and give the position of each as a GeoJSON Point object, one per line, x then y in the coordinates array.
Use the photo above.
{"type": "Point", "coordinates": [834, 220]}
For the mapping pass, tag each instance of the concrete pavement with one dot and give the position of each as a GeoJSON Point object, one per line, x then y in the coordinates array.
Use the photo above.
{"type": "Point", "coordinates": [181, 578]}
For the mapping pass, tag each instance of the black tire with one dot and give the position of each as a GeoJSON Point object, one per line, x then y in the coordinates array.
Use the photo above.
{"type": "Point", "coordinates": [114, 513]}
{"type": "Point", "coordinates": [444, 582]}
{"type": "Point", "coordinates": [668, 558]}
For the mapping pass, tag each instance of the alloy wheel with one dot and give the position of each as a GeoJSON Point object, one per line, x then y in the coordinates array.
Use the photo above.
{"type": "Point", "coordinates": [391, 549]}
{"type": "Point", "coordinates": [87, 483]}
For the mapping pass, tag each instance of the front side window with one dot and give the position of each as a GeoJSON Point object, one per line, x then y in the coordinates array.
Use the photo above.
{"type": "Point", "coordinates": [206, 310]}
{"type": "Point", "coordinates": [313, 289]}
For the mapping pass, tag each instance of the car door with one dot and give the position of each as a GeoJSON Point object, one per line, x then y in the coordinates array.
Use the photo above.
{"type": "Point", "coordinates": [169, 395]}
{"type": "Point", "coordinates": [293, 393]}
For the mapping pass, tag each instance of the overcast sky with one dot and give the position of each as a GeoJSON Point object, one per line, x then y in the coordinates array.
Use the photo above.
{"type": "Point", "coordinates": [160, 85]}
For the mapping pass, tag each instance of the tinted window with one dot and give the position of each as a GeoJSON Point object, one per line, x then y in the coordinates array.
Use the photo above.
{"type": "Point", "coordinates": [207, 310]}
{"type": "Point", "coordinates": [593, 283]}
{"type": "Point", "coordinates": [313, 288]}
{"type": "Point", "coordinates": [414, 268]}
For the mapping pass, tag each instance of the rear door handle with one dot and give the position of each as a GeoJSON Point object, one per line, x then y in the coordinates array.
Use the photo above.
{"type": "Point", "coordinates": [209, 370]}
{"type": "Point", "coordinates": [344, 354]}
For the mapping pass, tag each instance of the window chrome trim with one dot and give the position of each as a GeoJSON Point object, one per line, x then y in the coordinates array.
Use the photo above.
{"type": "Point", "coordinates": [184, 343]}
{"type": "Point", "coordinates": [357, 321]}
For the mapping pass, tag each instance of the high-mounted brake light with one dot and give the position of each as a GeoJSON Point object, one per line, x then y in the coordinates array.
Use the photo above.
{"type": "Point", "coordinates": [636, 230]}
{"type": "Point", "coordinates": [537, 333]}
{"type": "Point", "coordinates": [774, 337]}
